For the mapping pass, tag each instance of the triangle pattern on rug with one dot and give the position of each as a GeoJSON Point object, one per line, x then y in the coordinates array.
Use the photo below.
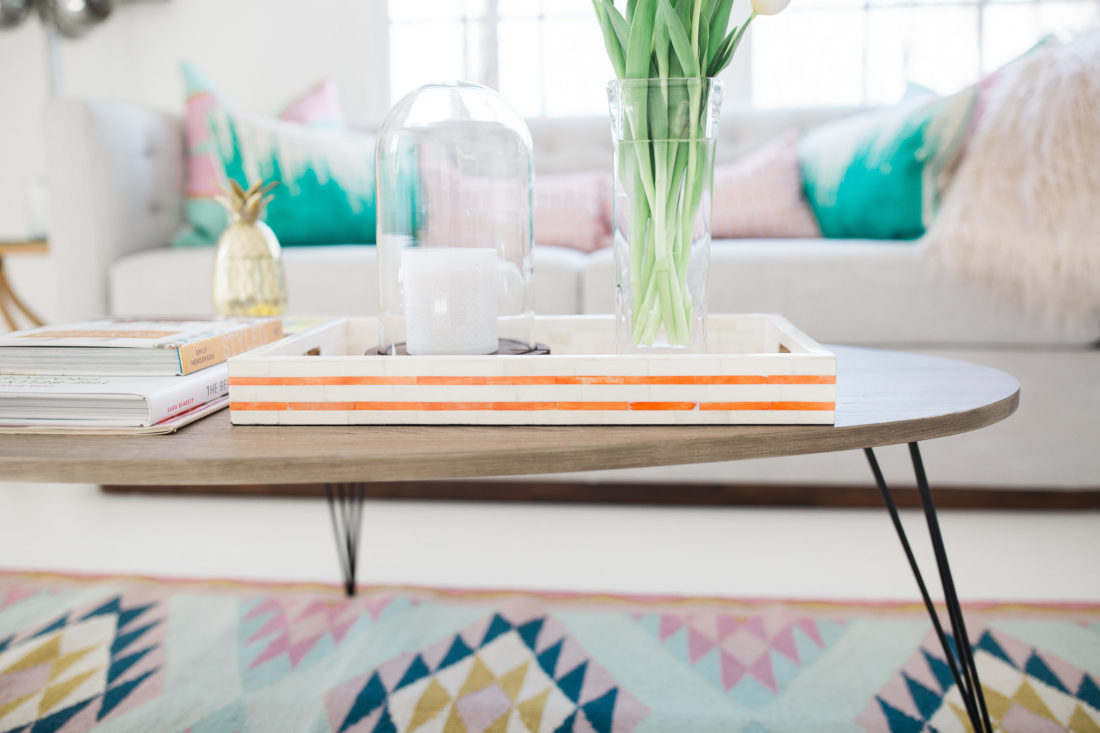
{"type": "Point", "coordinates": [522, 674]}
{"type": "Point", "coordinates": [78, 670]}
{"type": "Point", "coordinates": [1024, 689]}
{"type": "Point", "coordinates": [751, 659]}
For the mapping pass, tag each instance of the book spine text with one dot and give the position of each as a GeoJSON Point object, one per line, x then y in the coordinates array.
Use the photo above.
{"type": "Point", "coordinates": [217, 349]}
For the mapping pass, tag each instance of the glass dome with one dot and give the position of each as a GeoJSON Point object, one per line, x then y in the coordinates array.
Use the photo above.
{"type": "Point", "coordinates": [455, 264]}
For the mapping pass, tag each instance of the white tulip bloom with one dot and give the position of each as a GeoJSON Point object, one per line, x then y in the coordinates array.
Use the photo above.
{"type": "Point", "coordinates": [769, 7]}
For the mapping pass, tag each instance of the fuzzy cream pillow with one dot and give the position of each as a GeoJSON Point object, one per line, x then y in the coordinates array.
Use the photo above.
{"type": "Point", "coordinates": [1022, 214]}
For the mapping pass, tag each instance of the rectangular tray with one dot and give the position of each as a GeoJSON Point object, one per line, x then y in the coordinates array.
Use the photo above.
{"type": "Point", "coordinates": [759, 369]}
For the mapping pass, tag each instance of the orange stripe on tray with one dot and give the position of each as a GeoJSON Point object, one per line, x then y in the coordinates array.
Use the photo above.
{"type": "Point", "coordinates": [533, 406]}
{"type": "Point", "coordinates": [738, 406]}
{"type": "Point", "coordinates": [594, 379]}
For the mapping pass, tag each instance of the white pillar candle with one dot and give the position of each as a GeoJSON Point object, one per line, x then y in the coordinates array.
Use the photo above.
{"type": "Point", "coordinates": [450, 300]}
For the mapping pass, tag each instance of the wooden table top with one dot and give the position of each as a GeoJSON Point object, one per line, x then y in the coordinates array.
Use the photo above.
{"type": "Point", "coordinates": [883, 398]}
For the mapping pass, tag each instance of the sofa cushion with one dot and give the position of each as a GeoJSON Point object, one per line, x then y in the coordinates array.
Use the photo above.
{"type": "Point", "coordinates": [853, 291]}
{"type": "Point", "coordinates": [761, 195]}
{"type": "Point", "coordinates": [326, 171]}
{"type": "Point", "coordinates": [323, 280]}
{"type": "Point", "coordinates": [881, 174]}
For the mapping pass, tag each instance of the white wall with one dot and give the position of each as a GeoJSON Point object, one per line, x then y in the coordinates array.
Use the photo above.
{"type": "Point", "coordinates": [260, 52]}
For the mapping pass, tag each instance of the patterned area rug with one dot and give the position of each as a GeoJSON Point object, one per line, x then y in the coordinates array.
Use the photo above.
{"type": "Point", "coordinates": [132, 654]}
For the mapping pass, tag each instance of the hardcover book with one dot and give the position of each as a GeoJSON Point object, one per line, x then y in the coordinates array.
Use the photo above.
{"type": "Point", "coordinates": [106, 401]}
{"type": "Point", "coordinates": [146, 346]}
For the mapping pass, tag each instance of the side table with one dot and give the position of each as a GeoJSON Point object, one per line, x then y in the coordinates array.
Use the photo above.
{"type": "Point", "coordinates": [9, 300]}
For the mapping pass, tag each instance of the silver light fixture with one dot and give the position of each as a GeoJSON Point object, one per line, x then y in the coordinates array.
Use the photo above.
{"type": "Point", "coordinates": [71, 18]}
{"type": "Point", "coordinates": [60, 18]}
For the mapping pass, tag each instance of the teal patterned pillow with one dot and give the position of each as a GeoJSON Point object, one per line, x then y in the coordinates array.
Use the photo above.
{"type": "Point", "coordinates": [326, 177]}
{"type": "Point", "coordinates": [881, 174]}
{"type": "Point", "coordinates": [326, 173]}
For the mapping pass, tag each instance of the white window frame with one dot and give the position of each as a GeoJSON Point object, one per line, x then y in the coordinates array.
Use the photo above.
{"type": "Point", "coordinates": [481, 30]}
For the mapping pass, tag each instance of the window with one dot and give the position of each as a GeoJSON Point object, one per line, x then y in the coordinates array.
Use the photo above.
{"type": "Point", "coordinates": [868, 51]}
{"type": "Point", "coordinates": [547, 56]}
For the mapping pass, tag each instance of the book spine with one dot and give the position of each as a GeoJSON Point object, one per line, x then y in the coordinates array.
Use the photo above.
{"type": "Point", "coordinates": [217, 349]}
{"type": "Point", "coordinates": [187, 393]}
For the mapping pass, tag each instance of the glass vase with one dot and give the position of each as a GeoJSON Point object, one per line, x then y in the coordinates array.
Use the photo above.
{"type": "Point", "coordinates": [664, 134]}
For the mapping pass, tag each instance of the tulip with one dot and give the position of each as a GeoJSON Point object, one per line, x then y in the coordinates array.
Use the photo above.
{"type": "Point", "coordinates": [769, 7]}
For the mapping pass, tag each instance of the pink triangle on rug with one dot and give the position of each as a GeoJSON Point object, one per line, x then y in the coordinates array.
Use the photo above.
{"type": "Point", "coordinates": [670, 624]}
{"type": "Point", "coordinates": [1070, 677]}
{"type": "Point", "coordinates": [726, 626]}
{"type": "Point", "coordinates": [315, 607]}
{"type": "Point", "coordinates": [392, 671]}
{"type": "Point", "coordinates": [340, 630]}
{"type": "Point", "coordinates": [275, 625]}
{"type": "Point", "coordinates": [277, 646]}
{"type": "Point", "coordinates": [698, 645]}
{"type": "Point", "coordinates": [706, 624]}
{"type": "Point", "coordinates": [784, 644]}
{"type": "Point", "coordinates": [732, 670]}
{"type": "Point", "coordinates": [571, 656]}
{"type": "Point", "coordinates": [762, 670]}
{"type": "Point", "coordinates": [433, 655]}
{"type": "Point", "coordinates": [474, 634]}
{"type": "Point", "coordinates": [810, 627]}
{"type": "Point", "coordinates": [309, 627]}
{"type": "Point", "coordinates": [755, 625]}
{"type": "Point", "coordinates": [550, 634]}
{"type": "Point", "coordinates": [896, 692]}
{"type": "Point", "coordinates": [366, 725]}
{"type": "Point", "coordinates": [597, 681]}
{"type": "Point", "coordinates": [581, 724]}
{"type": "Point", "coordinates": [268, 604]}
{"type": "Point", "coordinates": [1016, 650]}
{"type": "Point", "coordinates": [299, 650]}
{"type": "Point", "coordinates": [917, 667]}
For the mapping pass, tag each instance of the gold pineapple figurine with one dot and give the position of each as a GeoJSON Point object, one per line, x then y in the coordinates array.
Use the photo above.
{"type": "Point", "coordinates": [248, 265]}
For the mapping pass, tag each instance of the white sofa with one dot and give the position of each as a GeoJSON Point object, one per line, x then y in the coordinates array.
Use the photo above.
{"type": "Point", "coordinates": [116, 181]}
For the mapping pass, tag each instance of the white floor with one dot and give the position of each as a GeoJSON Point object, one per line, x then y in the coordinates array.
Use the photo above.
{"type": "Point", "coordinates": [804, 553]}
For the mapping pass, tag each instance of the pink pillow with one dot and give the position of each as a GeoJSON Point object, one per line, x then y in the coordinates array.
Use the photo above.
{"type": "Point", "coordinates": [761, 195]}
{"type": "Point", "coordinates": [570, 209]}
{"type": "Point", "coordinates": [318, 106]}
{"type": "Point", "coordinates": [573, 210]}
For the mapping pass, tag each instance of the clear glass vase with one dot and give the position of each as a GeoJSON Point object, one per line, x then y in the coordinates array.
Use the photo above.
{"type": "Point", "coordinates": [664, 133]}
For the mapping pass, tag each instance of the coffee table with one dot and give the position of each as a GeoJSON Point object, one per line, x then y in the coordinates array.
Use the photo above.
{"type": "Point", "coordinates": [883, 398]}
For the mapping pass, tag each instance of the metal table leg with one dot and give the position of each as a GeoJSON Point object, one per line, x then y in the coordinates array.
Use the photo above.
{"type": "Point", "coordinates": [960, 656]}
{"type": "Point", "coordinates": [345, 505]}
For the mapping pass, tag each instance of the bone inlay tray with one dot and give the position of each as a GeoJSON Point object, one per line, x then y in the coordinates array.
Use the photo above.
{"type": "Point", "coordinates": [759, 369]}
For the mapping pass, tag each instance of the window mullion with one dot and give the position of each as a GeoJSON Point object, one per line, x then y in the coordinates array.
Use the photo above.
{"type": "Point", "coordinates": [491, 44]}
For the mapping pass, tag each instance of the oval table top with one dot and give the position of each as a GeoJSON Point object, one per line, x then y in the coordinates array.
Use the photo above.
{"type": "Point", "coordinates": [883, 398]}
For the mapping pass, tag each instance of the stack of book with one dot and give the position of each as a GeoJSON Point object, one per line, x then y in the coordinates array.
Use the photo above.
{"type": "Point", "coordinates": [155, 374]}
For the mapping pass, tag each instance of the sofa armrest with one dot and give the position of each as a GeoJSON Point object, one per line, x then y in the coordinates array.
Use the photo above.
{"type": "Point", "coordinates": [116, 177]}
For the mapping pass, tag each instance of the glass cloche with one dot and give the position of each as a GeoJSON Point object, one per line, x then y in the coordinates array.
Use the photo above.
{"type": "Point", "coordinates": [455, 263]}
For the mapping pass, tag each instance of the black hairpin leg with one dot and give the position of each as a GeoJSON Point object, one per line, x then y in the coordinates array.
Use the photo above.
{"type": "Point", "coordinates": [345, 506]}
{"type": "Point", "coordinates": [961, 657]}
